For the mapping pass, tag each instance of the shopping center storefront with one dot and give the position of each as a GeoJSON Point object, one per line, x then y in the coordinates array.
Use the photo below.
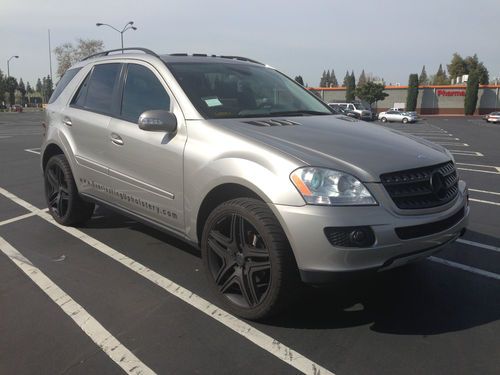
{"type": "Point", "coordinates": [442, 100]}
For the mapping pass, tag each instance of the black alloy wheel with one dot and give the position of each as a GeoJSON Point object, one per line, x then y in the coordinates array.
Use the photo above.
{"type": "Point", "coordinates": [248, 259]}
{"type": "Point", "coordinates": [239, 261]}
{"type": "Point", "coordinates": [61, 194]}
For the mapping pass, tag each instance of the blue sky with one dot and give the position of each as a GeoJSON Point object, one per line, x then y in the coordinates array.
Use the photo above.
{"type": "Point", "coordinates": [387, 38]}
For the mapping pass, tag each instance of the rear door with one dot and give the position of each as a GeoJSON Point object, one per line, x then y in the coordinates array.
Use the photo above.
{"type": "Point", "coordinates": [146, 167]}
{"type": "Point", "coordinates": [87, 118]}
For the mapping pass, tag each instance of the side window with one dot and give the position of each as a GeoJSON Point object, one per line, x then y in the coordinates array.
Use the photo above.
{"type": "Point", "coordinates": [81, 94]}
{"type": "Point", "coordinates": [63, 82]}
{"type": "Point", "coordinates": [100, 89]}
{"type": "Point", "coordinates": [142, 92]}
{"type": "Point", "coordinates": [351, 107]}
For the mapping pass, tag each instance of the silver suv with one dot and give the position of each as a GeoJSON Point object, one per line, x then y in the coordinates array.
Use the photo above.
{"type": "Point", "coordinates": [244, 163]}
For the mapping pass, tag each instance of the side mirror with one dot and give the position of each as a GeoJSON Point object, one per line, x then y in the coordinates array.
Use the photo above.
{"type": "Point", "coordinates": [158, 120]}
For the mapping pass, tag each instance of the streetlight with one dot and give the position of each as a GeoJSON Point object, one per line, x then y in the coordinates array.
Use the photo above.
{"type": "Point", "coordinates": [128, 26]}
{"type": "Point", "coordinates": [8, 61]}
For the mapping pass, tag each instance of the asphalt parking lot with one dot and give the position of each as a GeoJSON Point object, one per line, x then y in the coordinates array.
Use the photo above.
{"type": "Point", "coordinates": [117, 296]}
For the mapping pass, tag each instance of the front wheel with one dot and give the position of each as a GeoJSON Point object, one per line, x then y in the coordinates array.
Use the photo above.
{"type": "Point", "coordinates": [248, 259]}
{"type": "Point", "coordinates": [405, 120]}
{"type": "Point", "coordinates": [64, 203]}
{"type": "Point", "coordinates": [383, 119]}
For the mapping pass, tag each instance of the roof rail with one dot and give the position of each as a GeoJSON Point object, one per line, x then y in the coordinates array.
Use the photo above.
{"type": "Point", "coordinates": [223, 57]}
{"type": "Point", "coordinates": [106, 53]}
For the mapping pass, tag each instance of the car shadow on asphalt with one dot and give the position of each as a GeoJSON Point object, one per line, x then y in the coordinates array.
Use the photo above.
{"type": "Point", "coordinates": [423, 298]}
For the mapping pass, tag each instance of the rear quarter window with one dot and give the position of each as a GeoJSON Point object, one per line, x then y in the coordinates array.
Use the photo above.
{"type": "Point", "coordinates": [63, 82]}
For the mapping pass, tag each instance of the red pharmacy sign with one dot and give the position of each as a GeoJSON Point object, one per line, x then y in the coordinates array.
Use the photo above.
{"type": "Point", "coordinates": [450, 92]}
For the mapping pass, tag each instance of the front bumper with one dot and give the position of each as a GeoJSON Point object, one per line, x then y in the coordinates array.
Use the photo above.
{"type": "Point", "coordinates": [316, 256]}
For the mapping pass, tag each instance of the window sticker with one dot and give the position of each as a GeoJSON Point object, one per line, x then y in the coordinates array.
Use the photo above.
{"type": "Point", "coordinates": [212, 101]}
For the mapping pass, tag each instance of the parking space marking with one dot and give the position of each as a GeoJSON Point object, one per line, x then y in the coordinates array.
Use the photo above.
{"type": "Point", "coordinates": [478, 170]}
{"type": "Point", "coordinates": [485, 191]}
{"type": "Point", "coordinates": [113, 348]}
{"type": "Point", "coordinates": [480, 165]}
{"type": "Point", "coordinates": [477, 244]}
{"type": "Point", "coordinates": [33, 150]}
{"type": "Point", "coordinates": [452, 144]}
{"type": "Point", "coordinates": [465, 268]}
{"type": "Point", "coordinates": [483, 201]}
{"type": "Point", "coordinates": [21, 217]}
{"type": "Point", "coordinates": [250, 333]}
{"type": "Point", "coordinates": [466, 153]}
{"type": "Point", "coordinates": [437, 139]}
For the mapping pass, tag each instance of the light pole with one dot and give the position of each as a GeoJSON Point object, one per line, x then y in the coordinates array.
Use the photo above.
{"type": "Point", "coordinates": [8, 62]}
{"type": "Point", "coordinates": [128, 26]}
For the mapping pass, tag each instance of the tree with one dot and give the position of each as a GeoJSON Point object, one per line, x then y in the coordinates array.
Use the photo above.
{"type": "Point", "coordinates": [2, 88]}
{"type": "Point", "coordinates": [441, 78]}
{"type": "Point", "coordinates": [411, 97]}
{"type": "Point", "coordinates": [333, 80]}
{"type": "Point", "coordinates": [67, 54]}
{"type": "Point", "coordinates": [473, 64]}
{"type": "Point", "coordinates": [22, 90]}
{"type": "Point", "coordinates": [457, 67]}
{"type": "Point", "coordinates": [423, 79]}
{"type": "Point", "coordinates": [362, 78]}
{"type": "Point", "coordinates": [346, 79]}
{"type": "Point", "coordinates": [327, 79]}
{"type": "Point", "coordinates": [38, 86]}
{"type": "Point", "coordinates": [471, 92]}
{"type": "Point", "coordinates": [300, 80]}
{"type": "Point", "coordinates": [11, 87]}
{"type": "Point", "coordinates": [29, 89]}
{"type": "Point", "coordinates": [371, 92]}
{"type": "Point", "coordinates": [350, 92]}
{"type": "Point", "coordinates": [322, 81]}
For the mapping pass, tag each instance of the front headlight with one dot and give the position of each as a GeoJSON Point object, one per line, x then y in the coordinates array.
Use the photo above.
{"type": "Point", "coordinates": [329, 187]}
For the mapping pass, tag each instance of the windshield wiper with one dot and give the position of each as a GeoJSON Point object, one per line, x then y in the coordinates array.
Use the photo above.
{"type": "Point", "coordinates": [300, 112]}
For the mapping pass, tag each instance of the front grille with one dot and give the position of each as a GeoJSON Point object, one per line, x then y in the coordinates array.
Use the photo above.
{"type": "Point", "coordinates": [422, 187]}
{"type": "Point", "coordinates": [406, 233]}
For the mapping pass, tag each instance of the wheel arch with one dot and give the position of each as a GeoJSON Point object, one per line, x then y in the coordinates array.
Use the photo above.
{"type": "Point", "coordinates": [50, 150]}
{"type": "Point", "coordinates": [218, 195]}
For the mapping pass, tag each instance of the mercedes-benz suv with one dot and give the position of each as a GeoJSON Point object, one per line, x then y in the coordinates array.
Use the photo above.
{"type": "Point", "coordinates": [241, 161]}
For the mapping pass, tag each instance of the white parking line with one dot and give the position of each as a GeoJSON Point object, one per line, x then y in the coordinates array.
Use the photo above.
{"type": "Point", "coordinates": [481, 245]}
{"type": "Point", "coordinates": [22, 217]}
{"type": "Point", "coordinates": [480, 165]}
{"type": "Point", "coordinates": [33, 150]}
{"type": "Point", "coordinates": [483, 201]}
{"type": "Point", "coordinates": [465, 268]}
{"type": "Point", "coordinates": [485, 191]}
{"type": "Point", "coordinates": [453, 144]}
{"type": "Point", "coordinates": [113, 348]}
{"type": "Point", "coordinates": [466, 153]}
{"type": "Point", "coordinates": [477, 170]}
{"type": "Point", "coordinates": [252, 334]}
{"type": "Point", "coordinates": [436, 139]}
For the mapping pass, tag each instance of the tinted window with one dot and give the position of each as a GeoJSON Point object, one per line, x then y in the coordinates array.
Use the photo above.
{"type": "Point", "coordinates": [63, 82]}
{"type": "Point", "coordinates": [142, 92]}
{"type": "Point", "coordinates": [79, 98]}
{"type": "Point", "coordinates": [100, 88]}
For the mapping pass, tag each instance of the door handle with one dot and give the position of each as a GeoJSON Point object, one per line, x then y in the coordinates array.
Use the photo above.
{"type": "Point", "coordinates": [116, 139]}
{"type": "Point", "coordinates": [67, 121]}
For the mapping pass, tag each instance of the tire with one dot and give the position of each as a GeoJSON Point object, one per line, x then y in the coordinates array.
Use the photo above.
{"type": "Point", "coordinates": [61, 194]}
{"type": "Point", "coordinates": [248, 260]}
{"type": "Point", "coordinates": [383, 119]}
{"type": "Point", "coordinates": [405, 120]}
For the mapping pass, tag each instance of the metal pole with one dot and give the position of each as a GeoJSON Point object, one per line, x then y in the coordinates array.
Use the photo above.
{"type": "Point", "coordinates": [50, 58]}
{"type": "Point", "coordinates": [8, 70]}
{"type": "Point", "coordinates": [121, 34]}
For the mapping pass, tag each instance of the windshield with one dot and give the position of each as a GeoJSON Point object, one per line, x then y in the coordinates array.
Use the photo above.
{"type": "Point", "coordinates": [225, 90]}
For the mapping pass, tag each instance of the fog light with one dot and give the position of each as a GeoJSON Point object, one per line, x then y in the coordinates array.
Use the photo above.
{"type": "Point", "coordinates": [350, 236]}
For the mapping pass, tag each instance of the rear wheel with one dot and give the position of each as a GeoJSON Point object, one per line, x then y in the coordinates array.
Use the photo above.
{"type": "Point", "coordinates": [248, 259]}
{"type": "Point", "coordinates": [64, 203]}
{"type": "Point", "coordinates": [405, 120]}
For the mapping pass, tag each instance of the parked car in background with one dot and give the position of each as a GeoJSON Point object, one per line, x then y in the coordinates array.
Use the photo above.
{"type": "Point", "coordinates": [397, 116]}
{"type": "Point", "coordinates": [492, 117]}
{"type": "Point", "coordinates": [363, 110]}
{"type": "Point", "coordinates": [343, 111]}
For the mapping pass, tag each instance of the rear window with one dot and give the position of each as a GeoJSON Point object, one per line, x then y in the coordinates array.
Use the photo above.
{"type": "Point", "coordinates": [63, 82]}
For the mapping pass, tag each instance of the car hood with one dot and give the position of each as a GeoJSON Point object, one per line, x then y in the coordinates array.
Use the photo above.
{"type": "Point", "coordinates": [365, 150]}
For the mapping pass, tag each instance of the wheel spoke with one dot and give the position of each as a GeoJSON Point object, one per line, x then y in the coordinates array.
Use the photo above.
{"type": "Point", "coordinates": [218, 249]}
{"type": "Point", "coordinates": [247, 287]}
{"type": "Point", "coordinates": [230, 281]}
{"type": "Point", "coordinates": [52, 179]}
{"type": "Point", "coordinates": [255, 252]}
{"type": "Point", "coordinates": [237, 230]}
{"type": "Point", "coordinates": [53, 199]}
{"type": "Point", "coordinates": [219, 238]}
